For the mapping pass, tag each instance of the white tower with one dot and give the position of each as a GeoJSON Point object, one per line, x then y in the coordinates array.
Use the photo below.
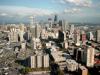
{"type": "Point", "coordinates": [91, 36]}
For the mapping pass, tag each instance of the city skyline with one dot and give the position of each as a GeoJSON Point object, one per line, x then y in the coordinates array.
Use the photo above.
{"type": "Point", "coordinates": [83, 11]}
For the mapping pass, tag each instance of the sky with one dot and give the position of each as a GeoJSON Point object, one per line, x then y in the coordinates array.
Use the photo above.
{"type": "Point", "coordinates": [82, 11]}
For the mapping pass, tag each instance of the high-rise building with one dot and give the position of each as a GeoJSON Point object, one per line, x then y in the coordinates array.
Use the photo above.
{"type": "Point", "coordinates": [13, 35]}
{"type": "Point", "coordinates": [71, 35]}
{"type": "Point", "coordinates": [90, 56]}
{"type": "Point", "coordinates": [32, 20]}
{"type": "Point", "coordinates": [55, 20]}
{"type": "Point", "coordinates": [32, 61]}
{"type": "Point", "coordinates": [83, 38]}
{"type": "Point", "coordinates": [37, 31]}
{"type": "Point", "coordinates": [91, 36]}
{"type": "Point", "coordinates": [46, 60]}
{"type": "Point", "coordinates": [38, 61]}
{"type": "Point", "coordinates": [60, 36]}
{"type": "Point", "coordinates": [50, 22]}
{"type": "Point", "coordinates": [77, 37]}
{"type": "Point", "coordinates": [98, 35]}
{"type": "Point", "coordinates": [66, 44]}
{"type": "Point", "coordinates": [60, 23]}
{"type": "Point", "coordinates": [21, 33]}
{"type": "Point", "coordinates": [65, 25]}
{"type": "Point", "coordinates": [80, 55]}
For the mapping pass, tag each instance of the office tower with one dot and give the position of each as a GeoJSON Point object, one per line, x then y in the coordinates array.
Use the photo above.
{"type": "Point", "coordinates": [21, 33]}
{"type": "Point", "coordinates": [80, 55]}
{"type": "Point", "coordinates": [35, 31]}
{"type": "Point", "coordinates": [32, 31]}
{"type": "Point", "coordinates": [91, 36]}
{"type": "Point", "coordinates": [71, 35]}
{"type": "Point", "coordinates": [60, 23]}
{"type": "Point", "coordinates": [90, 56]}
{"type": "Point", "coordinates": [65, 25]}
{"type": "Point", "coordinates": [82, 70]}
{"type": "Point", "coordinates": [77, 37]}
{"type": "Point", "coordinates": [98, 35]}
{"type": "Point", "coordinates": [38, 61]}
{"type": "Point", "coordinates": [34, 43]}
{"type": "Point", "coordinates": [13, 35]}
{"type": "Point", "coordinates": [32, 20]}
{"type": "Point", "coordinates": [32, 61]}
{"type": "Point", "coordinates": [45, 60]}
{"type": "Point", "coordinates": [38, 30]}
{"type": "Point", "coordinates": [64, 35]}
{"type": "Point", "coordinates": [83, 38]}
{"type": "Point", "coordinates": [50, 22]}
{"type": "Point", "coordinates": [66, 44]}
{"type": "Point", "coordinates": [60, 36]}
{"type": "Point", "coordinates": [55, 20]}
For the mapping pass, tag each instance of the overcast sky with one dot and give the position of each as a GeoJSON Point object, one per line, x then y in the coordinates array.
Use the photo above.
{"type": "Point", "coordinates": [70, 10]}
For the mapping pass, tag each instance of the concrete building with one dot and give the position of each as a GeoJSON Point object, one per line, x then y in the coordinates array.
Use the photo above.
{"type": "Point", "coordinates": [37, 30]}
{"type": "Point", "coordinates": [45, 60]}
{"type": "Point", "coordinates": [38, 61]}
{"type": "Point", "coordinates": [91, 36]}
{"type": "Point", "coordinates": [50, 23]}
{"type": "Point", "coordinates": [83, 38]}
{"type": "Point", "coordinates": [32, 61]}
{"type": "Point", "coordinates": [71, 35]}
{"type": "Point", "coordinates": [77, 37]}
{"type": "Point", "coordinates": [65, 25]}
{"type": "Point", "coordinates": [80, 55]}
{"type": "Point", "coordinates": [65, 44]}
{"type": "Point", "coordinates": [90, 56]}
{"type": "Point", "coordinates": [64, 35]}
{"type": "Point", "coordinates": [21, 32]}
{"type": "Point", "coordinates": [72, 65]}
{"type": "Point", "coordinates": [13, 35]}
{"type": "Point", "coordinates": [98, 35]}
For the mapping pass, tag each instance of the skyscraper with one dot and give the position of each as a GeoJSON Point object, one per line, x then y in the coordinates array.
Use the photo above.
{"type": "Point", "coordinates": [83, 38]}
{"type": "Point", "coordinates": [98, 35]}
{"type": "Point", "coordinates": [50, 22]}
{"type": "Point", "coordinates": [71, 32]}
{"type": "Point", "coordinates": [13, 35]}
{"type": "Point", "coordinates": [55, 21]}
{"type": "Point", "coordinates": [32, 20]}
{"type": "Point", "coordinates": [91, 36]}
{"type": "Point", "coordinates": [77, 37]}
{"type": "Point", "coordinates": [90, 56]}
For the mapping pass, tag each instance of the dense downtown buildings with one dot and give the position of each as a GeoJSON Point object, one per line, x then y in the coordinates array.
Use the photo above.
{"type": "Point", "coordinates": [55, 47]}
{"type": "Point", "coordinates": [50, 44]}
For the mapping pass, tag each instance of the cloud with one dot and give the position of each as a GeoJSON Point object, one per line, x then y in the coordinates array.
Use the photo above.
{"type": "Point", "coordinates": [24, 11]}
{"type": "Point", "coordinates": [72, 11]}
{"type": "Point", "coordinates": [3, 14]}
{"type": "Point", "coordinates": [83, 3]}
